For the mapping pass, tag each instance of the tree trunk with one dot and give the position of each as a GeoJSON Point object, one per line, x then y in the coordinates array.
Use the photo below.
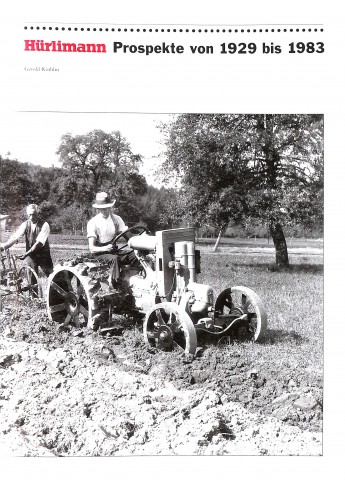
{"type": "Point", "coordinates": [218, 239]}
{"type": "Point", "coordinates": [282, 257]}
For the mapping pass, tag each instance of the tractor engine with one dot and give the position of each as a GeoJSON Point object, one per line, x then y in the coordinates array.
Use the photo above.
{"type": "Point", "coordinates": [170, 264]}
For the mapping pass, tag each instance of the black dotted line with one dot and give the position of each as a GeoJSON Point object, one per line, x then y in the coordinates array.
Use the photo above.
{"type": "Point", "coordinates": [119, 29]}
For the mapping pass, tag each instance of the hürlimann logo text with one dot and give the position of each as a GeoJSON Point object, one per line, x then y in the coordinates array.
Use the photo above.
{"type": "Point", "coordinates": [59, 46]}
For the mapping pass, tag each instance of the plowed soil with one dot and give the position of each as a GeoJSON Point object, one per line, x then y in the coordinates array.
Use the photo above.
{"type": "Point", "coordinates": [70, 392]}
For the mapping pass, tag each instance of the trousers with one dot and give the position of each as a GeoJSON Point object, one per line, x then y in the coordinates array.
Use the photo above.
{"type": "Point", "coordinates": [35, 261]}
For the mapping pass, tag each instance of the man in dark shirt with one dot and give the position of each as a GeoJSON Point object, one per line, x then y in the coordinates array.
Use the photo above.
{"type": "Point", "coordinates": [36, 235]}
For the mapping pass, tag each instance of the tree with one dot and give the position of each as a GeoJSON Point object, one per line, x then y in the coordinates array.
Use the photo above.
{"type": "Point", "coordinates": [15, 185]}
{"type": "Point", "coordinates": [41, 179]}
{"type": "Point", "coordinates": [92, 162]}
{"type": "Point", "coordinates": [47, 211]}
{"type": "Point", "coordinates": [71, 217]}
{"type": "Point", "coordinates": [161, 208]}
{"type": "Point", "coordinates": [238, 168]}
{"type": "Point", "coordinates": [129, 190]}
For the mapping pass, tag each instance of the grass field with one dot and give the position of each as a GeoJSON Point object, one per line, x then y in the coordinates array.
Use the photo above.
{"type": "Point", "coordinates": [293, 300]}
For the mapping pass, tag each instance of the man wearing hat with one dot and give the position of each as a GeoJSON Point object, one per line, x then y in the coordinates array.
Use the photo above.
{"type": "Point", "coordinates": [105, 226]}
{"type": "Point", "coordinates": [36, 234]}
{"type": "Point", "coordinates": [102, 229]}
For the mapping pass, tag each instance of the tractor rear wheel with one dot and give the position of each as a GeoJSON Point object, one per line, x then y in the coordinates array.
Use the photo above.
{"type": "Point", "coordinates": [240, 300]}
{"type": "Point", "coordinates": [73, 298]}
{"type": "Point", "coordinates": [167, 327]}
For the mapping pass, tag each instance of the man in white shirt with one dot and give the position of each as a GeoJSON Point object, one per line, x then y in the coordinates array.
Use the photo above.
{"type": "Point", "coordinates": [102, 229]}
{"type": "Point", "coordinates": [105, 226]}
{"type": "Point", "coordinates": [36, 235]}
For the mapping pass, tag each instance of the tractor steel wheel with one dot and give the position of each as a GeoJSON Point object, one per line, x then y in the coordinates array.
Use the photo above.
{"type": "Point", "coordinates": [167, 326]}
{"type": "Point", "coordinates": [29, 282]}
{"type": "Point", "coordinates": [240, 300]}
{"type": "Point", "coordinates": [72, 299]}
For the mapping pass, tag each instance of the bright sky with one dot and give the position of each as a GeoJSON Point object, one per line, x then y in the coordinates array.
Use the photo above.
{"type": "Point", "coordinates": [35, 137]}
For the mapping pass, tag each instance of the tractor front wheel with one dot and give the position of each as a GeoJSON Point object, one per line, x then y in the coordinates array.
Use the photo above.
{"type": "Point", "coordinates": [167, 327]}
{"type": "Point", "coordinates": [240, 301]}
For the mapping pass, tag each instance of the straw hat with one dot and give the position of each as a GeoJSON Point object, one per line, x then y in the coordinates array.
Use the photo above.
{"type": "Point", "coordinates": [103, 201]}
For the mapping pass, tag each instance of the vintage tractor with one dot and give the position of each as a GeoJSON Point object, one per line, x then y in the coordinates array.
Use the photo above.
{"type": "Point", "coordinates": [159, 286]}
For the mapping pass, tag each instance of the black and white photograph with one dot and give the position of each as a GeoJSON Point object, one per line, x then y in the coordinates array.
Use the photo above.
{"type": "Point", "coordinates": [162, 284]}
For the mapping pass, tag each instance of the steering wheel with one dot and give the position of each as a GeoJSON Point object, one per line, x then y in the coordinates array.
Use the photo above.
{"type": "Point", "coordinates": [135, 227]}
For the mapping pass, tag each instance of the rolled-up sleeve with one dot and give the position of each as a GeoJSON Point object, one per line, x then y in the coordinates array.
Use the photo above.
{"type": "Point", "coordinates": [19, 233]}
{"type": "Point", "coordinates": [43, 234]}
{"type": "Point", "coordinates": [91, 229]}
{"type": "Point", "coordinates": [121, 227]}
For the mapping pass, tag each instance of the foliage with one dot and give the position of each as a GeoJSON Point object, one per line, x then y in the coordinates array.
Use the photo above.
{"type": "Point", "coordinates": [248, 170]}
{"type": "Point", "coordinates": [47, 210]}
{"type": "Point", "coordinates": [129, 191]}
{"type": "Point", "coordinates": [161, 208]}
{"type": "Point", "coordinates": [95, 161]}
{"type": "Point", "coordinates": [238, 169]}
{"type": "Point", "coordinates": [71, 218]}
{"type": "Point", "coordinates": [99, 161]}
{"type": "Point", "coordinates": [15, 188]}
